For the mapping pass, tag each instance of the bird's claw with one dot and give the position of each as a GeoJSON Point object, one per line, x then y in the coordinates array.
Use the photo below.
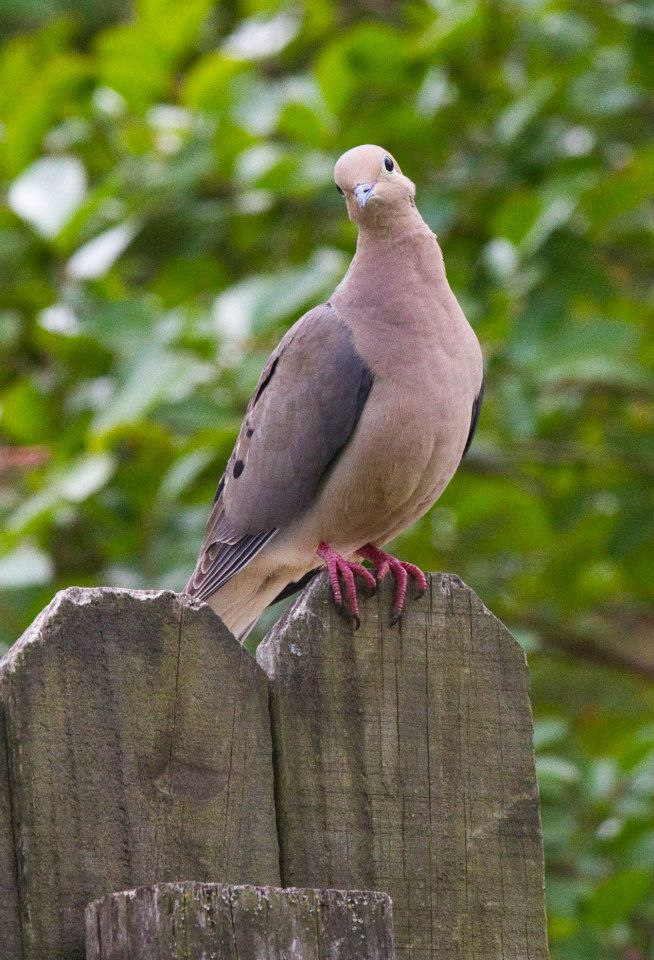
{"type": "Point", "coordinates": [401, 570]}
{"type": "Point", "coordinates": [339, 568]}
{"type": "Point", "coordinates": [342, 608]}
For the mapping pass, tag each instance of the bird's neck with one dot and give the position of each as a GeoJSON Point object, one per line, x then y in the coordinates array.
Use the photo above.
{"type": "Point", "coordinates": [405, 231]}
{"type": "Point", "coordinates": [391, 259]}
{"type": "Point", "coordinates": [397, 302]}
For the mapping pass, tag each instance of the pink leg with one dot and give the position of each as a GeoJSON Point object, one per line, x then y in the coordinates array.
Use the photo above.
{"type": "Point", "coordinates": [401, 571]}
{"type": "Point", "coordinates": [346, 568]}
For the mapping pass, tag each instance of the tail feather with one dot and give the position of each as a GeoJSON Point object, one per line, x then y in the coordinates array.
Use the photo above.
{"type": "Point", "coordinates": [240, 602]}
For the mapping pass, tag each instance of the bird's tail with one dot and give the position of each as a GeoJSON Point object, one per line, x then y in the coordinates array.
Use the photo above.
{"type": "Point", "coordinates": [240, 602]}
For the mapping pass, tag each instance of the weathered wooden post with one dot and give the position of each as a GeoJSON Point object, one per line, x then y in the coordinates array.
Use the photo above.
{"type": "Point", "coordinates": [10, 934]}
{"type": "Point", "coordinates": [140, 744]}
{"type": "Point", "coordinates": [138, 749]}
{"type": "Point", "coordinates": [189, 921]}
{"type": "Point", "coordinates": [404, 762]}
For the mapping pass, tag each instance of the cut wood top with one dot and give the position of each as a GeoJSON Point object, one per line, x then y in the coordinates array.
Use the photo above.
{"type": "Point", "coordinates": [188, 921]}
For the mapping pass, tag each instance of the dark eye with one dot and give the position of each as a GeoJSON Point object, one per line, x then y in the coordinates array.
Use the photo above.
{"type": "Point", "coordinates": [339, 190]}
{"type": "Point", "coordinates": [388, 163]}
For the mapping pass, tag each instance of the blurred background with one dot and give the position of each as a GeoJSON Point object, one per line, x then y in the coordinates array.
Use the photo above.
{"type": "Point", "coordinates": [168, 210]}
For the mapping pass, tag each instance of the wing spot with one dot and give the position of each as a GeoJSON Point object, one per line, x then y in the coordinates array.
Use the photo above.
{"type": "Point", "coordinates": [249, 432]}
{"type": "Point", "coordinates": [264, 383]}
{"type": "Point", "coordinates": [238, 468]}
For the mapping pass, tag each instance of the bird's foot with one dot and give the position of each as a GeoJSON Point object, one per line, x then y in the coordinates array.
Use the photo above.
{"type": "Point", "coordinates": [346, 569]}
{"type": "Point", "coordinates": [401, 570]}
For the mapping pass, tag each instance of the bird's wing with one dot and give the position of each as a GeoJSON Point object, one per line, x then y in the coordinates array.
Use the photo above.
{"type": "Point", "coordinates": [305, 408]}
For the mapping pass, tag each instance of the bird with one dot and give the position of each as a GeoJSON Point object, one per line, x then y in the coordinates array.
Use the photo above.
{"type": "Point", "coordinates": [360, 419]}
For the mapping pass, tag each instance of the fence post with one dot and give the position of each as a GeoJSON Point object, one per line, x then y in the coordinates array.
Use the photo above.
{"type": "Point", "coordinates": [404, 762]}
{"type": "Point", "coordinates": [138, 744]}
{"type": "Point", "coordinates": [186, 921]}
{"type": "Point", "coordinates": [10, 936]}
{"type": "Point", "coordinates": [137, 749]}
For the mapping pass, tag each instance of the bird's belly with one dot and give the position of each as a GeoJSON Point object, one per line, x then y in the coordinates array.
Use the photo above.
{"type": "Point", "coordinates": [399, 460]}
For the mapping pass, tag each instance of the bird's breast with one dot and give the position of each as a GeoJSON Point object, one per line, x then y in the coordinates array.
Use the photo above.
{"type": "Point", "coordinates": [404, 451]}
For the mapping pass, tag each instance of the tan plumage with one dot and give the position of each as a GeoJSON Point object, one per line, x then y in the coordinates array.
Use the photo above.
{"type": "Point", "coordinates": [362, 413]}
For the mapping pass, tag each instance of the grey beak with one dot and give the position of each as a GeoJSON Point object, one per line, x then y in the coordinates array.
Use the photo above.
{"type": "Point", "coordinates": [363, 192]}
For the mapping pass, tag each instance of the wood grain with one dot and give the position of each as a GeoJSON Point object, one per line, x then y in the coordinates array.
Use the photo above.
{"type": "Point", "coordinates": [139, 751]}
{"type": "Point", "coordinates": [11, 945]}
{"type": "Point", "coordinates": [189, 921]}
{"type": "Point", "coordinates": [404, 763]}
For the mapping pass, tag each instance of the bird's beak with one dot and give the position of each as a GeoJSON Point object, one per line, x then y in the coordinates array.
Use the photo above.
{"type": "Point", "coordinates": [363, 192]}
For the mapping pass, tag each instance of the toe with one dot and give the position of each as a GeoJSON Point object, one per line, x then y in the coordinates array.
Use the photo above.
{"type": "Point", "coordinates": [367, 576]}
{"type": "Point", "coordinates": [382, 570]}
{"type": "Point", "coordinates": [417, 575]}
{"type": "Point", "coordinates": [350, 589]}
{"type": "Point", "coordinates": [336, 588]}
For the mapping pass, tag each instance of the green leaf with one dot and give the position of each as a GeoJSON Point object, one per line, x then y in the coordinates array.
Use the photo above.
{"type": "Point", "coordinates": [26, 413]}
{"type": "Point", "coordinates": [616, 898]}
{"type": "Point", "coordinates": [368, 56]}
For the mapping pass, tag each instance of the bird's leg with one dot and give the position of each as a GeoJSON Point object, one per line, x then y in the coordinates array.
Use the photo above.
{"type": "Point", "coordinates": [383, 562]}
{"type": "Point", "coordinates": [338, 565]}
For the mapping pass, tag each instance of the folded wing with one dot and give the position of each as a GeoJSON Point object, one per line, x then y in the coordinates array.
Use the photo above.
{"type": "Point", "coordinates": [305, 408]}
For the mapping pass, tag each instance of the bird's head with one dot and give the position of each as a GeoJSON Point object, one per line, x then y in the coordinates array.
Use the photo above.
{"type": "Point", "coordinates": [374, 187]}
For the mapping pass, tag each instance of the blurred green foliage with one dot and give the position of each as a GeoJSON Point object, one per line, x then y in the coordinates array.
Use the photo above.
{"type": "Point", "coordinates": [170, 211]}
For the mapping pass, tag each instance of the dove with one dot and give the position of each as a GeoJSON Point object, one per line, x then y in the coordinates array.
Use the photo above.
{"type": "Point", "coordinates": [359, 421]}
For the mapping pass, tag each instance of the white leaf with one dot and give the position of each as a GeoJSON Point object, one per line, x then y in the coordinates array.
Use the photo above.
{"type": "Point", "coordinates": [86, 477]}
{"type": "Point", "coordinates": [258, 37]}
{"type": "Point", "coordinates": [48, 193]}
{"type": "Point", "coordinates": [267, 298]}
{"type": "Point", "coordinates": [59, 319]}
{"type": "Point", "coordinates": [26, 566]}
{"type": "Point", "coordinates": [98, 255]}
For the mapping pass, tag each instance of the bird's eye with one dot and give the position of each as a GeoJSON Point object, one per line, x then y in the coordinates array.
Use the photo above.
{"type": "Point", "coordinates": [339, 190]}
{"type": "Point", "coordinates": [388, 163]}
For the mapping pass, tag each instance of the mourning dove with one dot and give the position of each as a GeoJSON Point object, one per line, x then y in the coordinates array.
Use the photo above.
{"type": "Point", "coordinates": [359, 420]}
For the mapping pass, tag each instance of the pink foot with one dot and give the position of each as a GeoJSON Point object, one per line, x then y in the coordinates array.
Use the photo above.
{"type": "Point", "coordinates": [401, 571]}
{"type": "Point", "coordinates": [346, 568]}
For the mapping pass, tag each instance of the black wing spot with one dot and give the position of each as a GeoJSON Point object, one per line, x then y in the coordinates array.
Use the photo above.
{"type": "Point", "coordinates": [264, 383]}
{"type": "Point", "coordinates": [238, 468]}
{"type": "Point", "coordinates": [249, 432]}
{"type": "Point", "coordinates": [474, 419]}
{"type": "Point", "coordinates": [221, 486]}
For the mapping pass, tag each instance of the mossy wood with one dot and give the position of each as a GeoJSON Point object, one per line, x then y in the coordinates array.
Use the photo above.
{"type": "Point", "coordinates": [138, 748]}
{"type": "Point", "coordinates": [187, 921]}
{"type": "Point", "coordinates": [404, 762]}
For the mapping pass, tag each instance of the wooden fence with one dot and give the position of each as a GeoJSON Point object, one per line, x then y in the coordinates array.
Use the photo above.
{"type": "Point", "coordinates": [140, 745]}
